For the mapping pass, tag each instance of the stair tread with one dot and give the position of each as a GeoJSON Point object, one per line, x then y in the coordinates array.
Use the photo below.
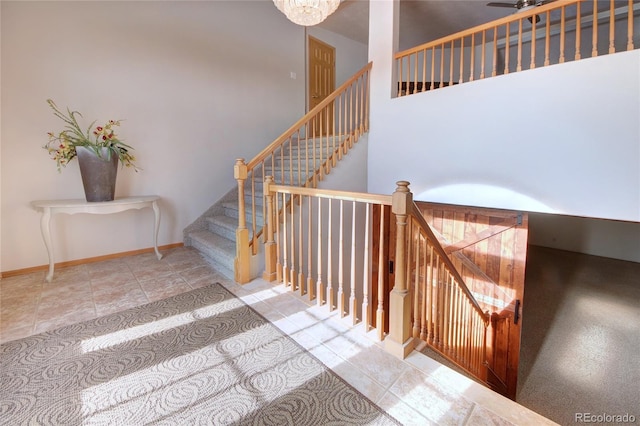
{"type": "Point", "coordinates": [211, 239]}
{"type": "Point", "coordinates": [226, 221]}
{"type": "Point", "coordinates": [233, 205]}
{"type": "Point", "coordinates": [217, 242]}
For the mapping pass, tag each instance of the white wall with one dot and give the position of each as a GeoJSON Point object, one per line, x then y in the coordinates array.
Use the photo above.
{"type": "Point", "coordinates": [192, 81]}
{"type": "Point", "coordinates": [598, 237]}
{"type": "Point", "coordinates": [197, 83]}
{"type": "Point", "coordinates": [562, 139]}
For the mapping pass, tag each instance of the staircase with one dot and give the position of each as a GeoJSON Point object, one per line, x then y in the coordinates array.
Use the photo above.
{"type": "Point", "coordinates": [300, 157]}
{"type": "Point", "coordinates": [213, 234]}
{"type": "Point", "coordinates": [332, 266]}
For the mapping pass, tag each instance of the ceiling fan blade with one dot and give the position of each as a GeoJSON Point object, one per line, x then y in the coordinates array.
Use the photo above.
{"type": "Point", "coordinates": [499, 4]}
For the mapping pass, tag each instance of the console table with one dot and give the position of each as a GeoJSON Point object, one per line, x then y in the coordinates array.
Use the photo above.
{"type": "Point", "coordinates": [51, 207]}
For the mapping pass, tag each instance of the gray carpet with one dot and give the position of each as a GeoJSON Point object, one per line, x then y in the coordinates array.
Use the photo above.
{"type": "Point", "coordinates": [580, 336]}
{"type": "Point", "coordinates": [202, 357]}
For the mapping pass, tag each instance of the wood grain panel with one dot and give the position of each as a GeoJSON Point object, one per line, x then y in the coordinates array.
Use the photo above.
{"type": "Point", "coordinates": [488, 246]}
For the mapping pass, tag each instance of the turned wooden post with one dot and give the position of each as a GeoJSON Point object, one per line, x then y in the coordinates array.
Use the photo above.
{"type": "Point", "coordinates": [242, 262]}
{"type": "Point", "coordinates": [270, 268]}
{"type": "Point", "coordinates": [400, 340]}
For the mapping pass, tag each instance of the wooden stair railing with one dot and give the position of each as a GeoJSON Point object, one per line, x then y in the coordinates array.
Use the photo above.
{"type": "Point", "coordinates": [446, 315]}
{"type": "Point", "coordinates": [473, 53]}
{"type": "Point", "coordinates": [322, 246]}
{"type": "Point", "coordinates": [303, 155]}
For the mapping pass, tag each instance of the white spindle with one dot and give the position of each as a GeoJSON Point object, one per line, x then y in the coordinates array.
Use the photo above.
{"type": "Point", "coordinates": [352, 291]}
{"type": "Point", "coordinates": [319, 284]}
{"type": "Point", "coordinates": [341, 301]}
{"type": "Point", "coordinates": [366, 314]}
{"type": "Point", "coordinates": [285, 271]}
{"type": "Point", "coordinates": [329, 260]}
{"type": "Point", "coordinates": [381, 276]}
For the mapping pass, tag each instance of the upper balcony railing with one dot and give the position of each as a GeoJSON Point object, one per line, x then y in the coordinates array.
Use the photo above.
{"type": "Point", "coordinates": [553, 33]}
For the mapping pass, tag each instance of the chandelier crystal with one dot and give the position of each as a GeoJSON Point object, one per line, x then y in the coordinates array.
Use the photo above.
{"type": "Point", "coordinates": [307, 12]}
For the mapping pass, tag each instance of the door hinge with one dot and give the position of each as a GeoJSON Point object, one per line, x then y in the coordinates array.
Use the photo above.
{"type": "Point", "coordinates": [516, 314]}
{"type": "Point", "coordinates": [391, 266]}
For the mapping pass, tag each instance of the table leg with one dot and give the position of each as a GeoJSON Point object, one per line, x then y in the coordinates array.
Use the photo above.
{"type": "Point", "coordinates": [156, 211]}
{"type": "Point", "coordinates": [46, 236]}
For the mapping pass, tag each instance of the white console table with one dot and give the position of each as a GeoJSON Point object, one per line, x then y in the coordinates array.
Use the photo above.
{"type": "Point", "coordinates": [51, 207]}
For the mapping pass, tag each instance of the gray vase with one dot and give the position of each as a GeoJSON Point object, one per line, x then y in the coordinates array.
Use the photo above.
{"type": "Point", "coordinates": [98, 173]}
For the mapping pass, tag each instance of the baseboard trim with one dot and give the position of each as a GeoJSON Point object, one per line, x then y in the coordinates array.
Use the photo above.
{"type": "Point", "coordinates": [15, 272]}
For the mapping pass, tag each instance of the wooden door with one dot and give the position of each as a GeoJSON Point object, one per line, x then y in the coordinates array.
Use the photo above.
{"type": "Point", "coordinates": [322, 81]}
{"type": "Point", "coordinates": [488, 247]}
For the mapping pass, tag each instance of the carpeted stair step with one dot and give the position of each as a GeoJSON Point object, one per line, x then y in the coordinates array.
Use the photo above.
{"type": "Point", "coordinates": [224, 226]}
{"type": "Point", "coordinates": [217, 241]}
{"type": "Point", "coordinates": [218, 250]}
{"type": "Point", "coordinates": [231, 211]}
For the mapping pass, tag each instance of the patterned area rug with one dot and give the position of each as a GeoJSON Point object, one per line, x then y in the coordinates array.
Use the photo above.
{"type": "Point", "coordinates": [202, 357]}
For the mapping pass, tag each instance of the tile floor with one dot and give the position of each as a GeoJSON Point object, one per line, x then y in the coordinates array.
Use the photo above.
{"type": "Point", "coordinates": [416, 391]}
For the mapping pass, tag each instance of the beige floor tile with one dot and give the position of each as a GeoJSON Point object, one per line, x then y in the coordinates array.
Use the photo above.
{"type": "Point", "coordinates": [402, 411]}
{"type": "Point", "coordinates": [200, 276]}
{"type": "Point", "coordinates": [20, 281]}
{"type": "Point", "coordinates": [108, 276]}
{"type": "Point", "coordinates": [158, 289]}
{"type": "Point", "coordinates": [58, 308]}
{"type": "Point", "coordinates": [16, 333]}
{"type": "Point", "coordinates": [482, 417]}
{"type": "Point", "coordinates": [61, 319]}
{"type": "Point", "coordinates": [430, 399]}
{"type": "Point", "coordinates": [14, 316]}
{"type": "Point", "coordinates": [106, 268]}
{"type": "Point", "coordinates": [379, 365]}
{"type": "Point", "coordinates": [363, 383]}
{"type": "Point", "coordinates": [184, 259]}
{"type": "Point", "coordinates": [114, 298]}
{"type": "Point", "coordinates": [152, 271]}
{"type": "Point", "coordinates": [70, 274]}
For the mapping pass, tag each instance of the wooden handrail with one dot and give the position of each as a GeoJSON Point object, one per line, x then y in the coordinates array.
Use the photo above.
{"type": "Point", "coordinates": [380, 199]}
{"type": "Point", "coordinates": [298, 124]}
{"type": "Point", "coordinates": [518, 40]}
{"type": "Point", "coordinates": [488, 26]}
{"type": "Point", "coordinates": [360, 197]}
{"type": "Point", "coordinates": [416, 214]}
{"type": "Point", "coordinates": [304, 155]}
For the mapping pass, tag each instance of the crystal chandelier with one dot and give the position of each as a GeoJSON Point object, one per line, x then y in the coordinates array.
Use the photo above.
{"type": "Point", "coordinates": [307, 12]}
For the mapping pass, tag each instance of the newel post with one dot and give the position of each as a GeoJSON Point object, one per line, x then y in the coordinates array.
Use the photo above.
{"type": "Point", "coordinates": [270, 268]}
{"type": "Point", "coordinates": [242, 262]}
{"type": "Point", "coordinates": [400, 340]}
